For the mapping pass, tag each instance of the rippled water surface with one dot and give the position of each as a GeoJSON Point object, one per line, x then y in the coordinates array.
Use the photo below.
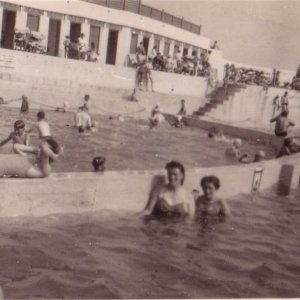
{"type": "Point", "coordinates": [127, 145]}
{"type": "Point", "coordinates": [256, 253]}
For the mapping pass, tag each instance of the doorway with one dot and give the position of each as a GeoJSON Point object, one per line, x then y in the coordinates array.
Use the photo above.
{"type": "Point", "coordinates": [8, 29]}
{"type": "Point", "coordinates": [95, 37]}
{"type": "Point", "coordinates": [53, 37]}
{"type": "Point", "coordinates": [112, 46]}
{"type": "Point", "coordinates": [146, 44]}
{"type": "Point", "coordinates": [75, 30]}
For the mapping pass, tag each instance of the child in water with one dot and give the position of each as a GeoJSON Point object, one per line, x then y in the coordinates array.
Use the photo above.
{"type": "Point", "coordinates": [45, 134]}
{"type": "Point", "coordinates": [235, 149]}
{"type": "Point", "coordinates": [20, 140]}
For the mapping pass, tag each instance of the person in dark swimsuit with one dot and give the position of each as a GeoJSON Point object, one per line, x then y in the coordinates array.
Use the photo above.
{"type": "Point", "coordinates": [171, 199]}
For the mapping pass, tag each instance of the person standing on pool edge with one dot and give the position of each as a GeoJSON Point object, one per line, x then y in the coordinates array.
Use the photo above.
{"type": "Point", "coordinates": [25, 105]}
{"type": "Point", "coordinates": [45, 134]}
{"type": "Point", "coordinates": [282, 123]}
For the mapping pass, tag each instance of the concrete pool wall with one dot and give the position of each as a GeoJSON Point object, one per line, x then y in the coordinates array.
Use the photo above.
{"type": "Point", "coordinates": [128, 190]}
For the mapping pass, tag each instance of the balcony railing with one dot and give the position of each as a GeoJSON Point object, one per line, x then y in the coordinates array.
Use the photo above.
{"type": "Point", "coordinates": [135, 6]}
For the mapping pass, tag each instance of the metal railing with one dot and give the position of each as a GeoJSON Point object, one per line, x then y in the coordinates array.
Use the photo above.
{"type": "Point", "coordinates": [137, 7]}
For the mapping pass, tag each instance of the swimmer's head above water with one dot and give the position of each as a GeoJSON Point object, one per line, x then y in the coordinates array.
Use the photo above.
{"type": "Point", "coordinates": [176, 173]}
{"type": "Point", "coordinates": [259, 156]}
{"type": "Point", "coordinates": [209, 185]}
{"type": "Point", "coordinates": [98, 164]}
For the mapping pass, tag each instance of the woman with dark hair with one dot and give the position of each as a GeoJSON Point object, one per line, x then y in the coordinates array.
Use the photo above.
{"type": "Point", "coordinates": [171, 199]}
{"type": "Point", "coordinates": [209, 204]}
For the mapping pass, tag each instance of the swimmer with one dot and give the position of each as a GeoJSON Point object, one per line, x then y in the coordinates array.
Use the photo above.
{"type": "Point", "coordinates": [45, 134]}
{"type": "Point", "coordinates": [25, 105]}
{"type": "Point", "coordinates": [171, 199]}
{"type": "Point", "coordinates": [82, 118]}
{"type": "Point", "coordinates": [156, 116]}
{"type": "Point", "coordinates": [217, 135]}
{"type": "Point", "coordinates": [234, 150]}
{"type": "Point", "coordinates": [288, 147]}
{"type": "Point", "coordinates": [98, 164]}
{"type": "Point", "coordinates": [259, 156]}
{"type": "Point", "coordinates": [209, 204]}
{"type": "Point", "coordinates": [20, 140]}
{"type": "Point", "coordinates": [282, 123]}
{"type": "Point", "coordinates": [179, 117]}
{"type": "Point", "coordinates": [17, 166]}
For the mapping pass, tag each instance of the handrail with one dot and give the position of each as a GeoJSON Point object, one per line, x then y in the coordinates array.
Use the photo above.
{"type": "Point", "coordinates": [141, 9]}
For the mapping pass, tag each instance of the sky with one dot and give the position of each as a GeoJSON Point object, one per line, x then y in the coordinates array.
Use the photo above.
{"type": "Point", "coordinates": [257, 32]}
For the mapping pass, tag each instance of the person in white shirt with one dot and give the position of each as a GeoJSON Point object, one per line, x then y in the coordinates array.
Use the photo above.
{"type": "Point", "coordinates": [83, 119]}
{"type": "Point", "coordinates": [82, 47]}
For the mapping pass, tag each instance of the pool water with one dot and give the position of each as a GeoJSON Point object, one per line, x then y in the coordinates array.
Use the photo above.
{"type": "Point", "coordinates": [128, 145]}
{"type": "Point", "coordinates": [255, 253]}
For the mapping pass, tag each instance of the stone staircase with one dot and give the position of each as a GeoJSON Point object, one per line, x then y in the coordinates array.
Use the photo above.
{"type": "Point", "coordinates": [218, 97]}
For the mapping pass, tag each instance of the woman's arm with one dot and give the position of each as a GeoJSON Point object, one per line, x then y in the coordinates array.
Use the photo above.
{"type": "Point", "coordinates": [152, 202]}
{"type": "Point", "coordinates": [5, 141]}
{"type": "Point", "coordinates": [274, 119]}
{"type": "Point", "coordinates": [224, 208]}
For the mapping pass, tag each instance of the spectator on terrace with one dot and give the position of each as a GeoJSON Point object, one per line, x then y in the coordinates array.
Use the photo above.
{"type": "Point", "coordinates": [277, 76]}
{"type": "Point", "coordinates": [67, 44]}
{"type": "Point", "coordinates": [92, 54]}
{"type": "Point", "coordinates": [282, 123]}
{"type": "Point", "coordinates": [185, 65]}
{"type": "Point", "coordinates": [158, 62]}
{"type": "Point", "coordinates": [178, 58]}
{"type": "Point", "coordinates": [215, 46]}
{"type": "Point", "coordinates": [171, 199]}
{"type": "Point", "coordinates": [153, 53]}
{"type": "Point", "coordinates": [170, 64]}
{"type": "Point", "coordinates": [82, 46]}
{"type": "Point", "coordinates": [284, 102]}
{"type": "Point", "coordinates": [289, 147]}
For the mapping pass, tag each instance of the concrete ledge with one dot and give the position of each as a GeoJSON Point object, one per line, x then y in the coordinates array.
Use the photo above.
{"type": "Point", "coordinates": [80, 192]}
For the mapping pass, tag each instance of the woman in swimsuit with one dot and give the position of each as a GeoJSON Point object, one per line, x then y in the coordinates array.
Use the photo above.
{"type": "Point", "coordinates": [171, 199]}
{"type": "Point", "coordinates": [209, 204]}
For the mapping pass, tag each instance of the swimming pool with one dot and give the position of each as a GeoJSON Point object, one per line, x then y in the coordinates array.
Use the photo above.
{"type": "Point", "coordinates": [106, 254]}
{"type": "Point", "coordinates": [129, 145]}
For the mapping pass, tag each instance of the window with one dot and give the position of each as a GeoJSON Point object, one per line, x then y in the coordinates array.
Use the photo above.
{"type": "Point", "coordinates": [33, 22]}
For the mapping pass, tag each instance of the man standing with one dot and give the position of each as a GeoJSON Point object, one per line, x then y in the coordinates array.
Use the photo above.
{"type": "Point", "coordinates": [82, 46]}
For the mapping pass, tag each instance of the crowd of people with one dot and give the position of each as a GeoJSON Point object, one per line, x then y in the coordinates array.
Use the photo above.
{"type": "Point", "coordinates": [80, 49]}
{"type": "Point", "coordinates": [180, 63]}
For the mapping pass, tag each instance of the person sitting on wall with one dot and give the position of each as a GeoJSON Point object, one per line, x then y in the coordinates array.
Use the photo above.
{"type": "Point", "coordinates": [92, 54]}
{"type": "Point", "coordinates": [86, 102]}
{"type": "Point", "coordinates": [288, 147]}
{"type": "Point", "coordinates": [156, 116]}
{"type": "Point", "coordinates": [209, 205]}
{"type": "Point", "coordinates": [259, 156]}
{"type": "Point", "coordinates": [171, 199]}
{"type": "Point", "coordinates": [282, 123]}
{"type": "Point", "coordinates": [179, 117]}
{"type": "Point", "coordinates": [82, 47]}
{"type": "Point", "coordinates": [297, 76]}
{"type": "Point", "coordinates": [277, 82]}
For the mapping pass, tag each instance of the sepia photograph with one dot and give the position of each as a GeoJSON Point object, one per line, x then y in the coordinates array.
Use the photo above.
{"type": "Point", "coordinates": [149, 149]}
